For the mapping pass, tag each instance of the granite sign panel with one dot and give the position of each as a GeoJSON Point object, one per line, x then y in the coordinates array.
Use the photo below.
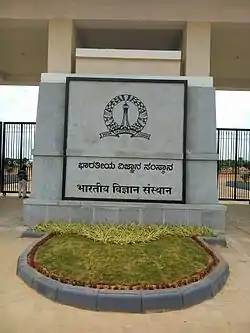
{"type": "Point", "coordinates": [124, 178]}
{"type": "Point", "coordinates": [124, 140]}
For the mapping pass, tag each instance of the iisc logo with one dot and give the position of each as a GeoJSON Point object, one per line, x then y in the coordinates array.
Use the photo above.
{"type": "Point", "coordinates": [134, 130]}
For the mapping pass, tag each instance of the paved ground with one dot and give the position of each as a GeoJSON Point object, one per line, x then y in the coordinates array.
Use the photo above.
{"type": "Point", "coordinates": [24, 311]}
{"type": "Point", "coordinates": [10, 212]}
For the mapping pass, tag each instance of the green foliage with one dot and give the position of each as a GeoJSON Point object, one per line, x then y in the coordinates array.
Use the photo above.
{"type": "Point", "coordinates": [123, 234]}
{"type": "Point", "coordinates": [162, 261]}
{"type": "Point", "coordinates": [15, 162]}
{"type": "Point", "coordinates": [225, 164]}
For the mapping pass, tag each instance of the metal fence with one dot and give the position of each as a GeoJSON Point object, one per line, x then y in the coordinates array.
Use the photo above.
{"type": "Point", "coordinates": [16, 145]}
{"type": "Point", "coordinates": [233, 148]}
{"type": "Point", "coordinates": [1, 141]}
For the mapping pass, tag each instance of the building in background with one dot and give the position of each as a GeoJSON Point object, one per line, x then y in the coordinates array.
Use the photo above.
{"type": "Point", "coordinates": [203, 42]}
{"type": "Point", "coordinates": [139, 37]}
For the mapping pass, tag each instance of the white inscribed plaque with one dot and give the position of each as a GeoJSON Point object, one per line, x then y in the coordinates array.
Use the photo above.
{"type": "Point", "coordinates": [127, 119]}
{"type": "Point", "coordinates": [125, 140]}
{"type": "Point", "coordinates": [119, 178]}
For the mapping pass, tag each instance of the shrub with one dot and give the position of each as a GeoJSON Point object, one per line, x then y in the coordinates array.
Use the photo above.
{"type": "Point", "coordinates": [123, 234]}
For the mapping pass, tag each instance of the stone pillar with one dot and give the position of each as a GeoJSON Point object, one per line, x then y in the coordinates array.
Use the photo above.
{"type": "Point", "coordinates": [196, 49]}
{"type": "Point", "coordinates": [201, 178]}
{"type": "Point", "coordinates": [61, 46]}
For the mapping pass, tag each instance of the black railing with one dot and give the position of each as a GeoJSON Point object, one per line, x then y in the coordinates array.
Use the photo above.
{"type": "Point", "coordinates": [16, 148]}
{"type": "Point", "coordinates": [233, 148]}
{"type": "Point", "coordinates": [1, 154]}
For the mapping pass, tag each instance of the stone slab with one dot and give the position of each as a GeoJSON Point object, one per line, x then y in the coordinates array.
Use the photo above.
{"type": "Point", "coordinates": [124, 179]}
{"type": "Point", "coordinates": [196, 293]}
{"type": "Point", "coordinates": [45, 286]}
{"type": "Point", "coordinates": [161, 300]}
{"type": "Point", "coordinates": [119, 301]}
{"type": "Point", "coordinates": [219, 277]}
{"type": "Point", "coordinates": [80, 297]}
{"type": "Point", "coordinates": [121, 212]}
{"type": "Point", "coordinates": [32, 234]}
{"type": "Point", "coordinates": [26, 274]}
{"type": "Point", "coordinates": [219, 240]}
{"type": "Point", "coordinates": [91, 103]}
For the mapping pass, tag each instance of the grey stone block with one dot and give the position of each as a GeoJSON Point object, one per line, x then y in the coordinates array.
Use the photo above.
{"type": "Point", "coordinates": [58, 213]}
{"type": "Point", "coordinates": [196, 293]}
{"type": "Point", "coordinates": [33, 214]}
{"type": "Point", "coordinates": [32, 234]}
{"type": "Point", "coordinates": [22, 259]}
{"type": "Point", "coordinates": [218, 277]}
{"type": "Point", "coordinates": [220, 240]}
{"type": "Point", "coordinates": [105, 215]}
{"type": "Point", "coordinates": [45, 286]}
{"type": "Point", "coordinates": [80, 297]}
{"type": "Point", "coordinates": [153, 216]}
{"type": "Point", "coordinates": [214, 219]}
{"type": "Point", "coordinates": [37, 211]}
{"type": "Point", "coordinates": [174, 216]}
{"type": "Point", "coordinates": [20, 262]}
{"type": "Point", "coordinates": [194, 217]}
{"type": "Point", "coordinates": [27, 274]}
{"type": "Point", "coordinates": [49, 134]}
{"type": "Point", "coordinates": [161, 300]}
{"type": "Point", "coordinates": [128, 215]}
{"type": "Point", "coordinates": [47, 185]}
{"type": "Point", "coordinates": [81, 214]}
{"type": "Point", "coordinates": [120, 301]}
{"type": "Point", "coordinates": [201, 120]}
{"type": "Point", "coordinates": [207, 194]}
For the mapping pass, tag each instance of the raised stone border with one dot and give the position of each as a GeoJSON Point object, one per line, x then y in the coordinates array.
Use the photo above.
{"type": "Point", "coordinates": [141, 301]}
{"type": "Point", "coordinates": [29, 233]}
{"type": "Point", "coordinates": [218, 240]}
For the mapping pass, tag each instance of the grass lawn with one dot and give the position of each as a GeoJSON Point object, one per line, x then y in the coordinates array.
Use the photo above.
{"type": "Point", "coordinates": [159, 261]}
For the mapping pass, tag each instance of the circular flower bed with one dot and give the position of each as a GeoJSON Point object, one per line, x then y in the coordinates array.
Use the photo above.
{"type": "Point", "coordinates": [164, 262]}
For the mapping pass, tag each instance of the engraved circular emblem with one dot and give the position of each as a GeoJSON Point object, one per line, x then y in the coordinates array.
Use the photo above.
{"type": "Point", "coordinates": [135, 129]}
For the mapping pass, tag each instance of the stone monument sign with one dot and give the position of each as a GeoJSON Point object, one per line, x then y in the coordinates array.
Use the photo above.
{"type": "Point", "coordinates": [125, 149]}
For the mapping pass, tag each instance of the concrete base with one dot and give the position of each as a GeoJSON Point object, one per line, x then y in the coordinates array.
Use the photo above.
{"type": "Point", "coordinates": [212, 216]}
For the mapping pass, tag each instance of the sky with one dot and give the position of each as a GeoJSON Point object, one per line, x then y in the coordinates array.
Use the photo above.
{"type": "Point", "coordinates": [19, 103]}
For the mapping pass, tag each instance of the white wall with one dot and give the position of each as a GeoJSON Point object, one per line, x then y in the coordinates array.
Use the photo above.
{"type": "Point", "coordinates": [128, 62]}
{"type": "Point", "coordinates": [230, 55]}
{"type": "Point", "coordinates": [23, 54]}
{"type": "Point", "coordinates": [159, 10]}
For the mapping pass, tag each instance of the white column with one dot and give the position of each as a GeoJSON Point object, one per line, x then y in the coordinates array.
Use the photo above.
{"type": "Point", "coordinates": [61, 46]}
{"type": "Point", "coordinates": [196, 49]}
